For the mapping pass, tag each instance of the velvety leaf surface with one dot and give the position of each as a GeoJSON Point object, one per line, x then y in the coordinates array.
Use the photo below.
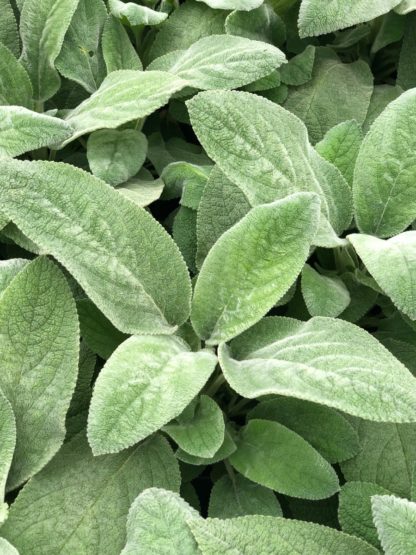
{"type": "Point", "coordinates": [9, 36]}
{"type": "Point", "coordinates": [118, 51]}
{"type": "Point", "coordinates": [7, 446]}
{"type": "Point", "coordinates": [323, 295]}
{"type": "Point", "coordinates": [7, 548]}
{"type": "Point", "coordinates": [395, 520]}
{"type": "Point", "coordinates": [9, 269]}
{"type": "Point", "coordinates": [262, 24]}
{"type": "Point", "coordinates": [15, 85]}
{"type": "Point", "coordinates": [135, 14]}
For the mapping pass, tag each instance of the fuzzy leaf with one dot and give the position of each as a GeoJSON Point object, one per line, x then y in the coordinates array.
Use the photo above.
{"type": "Point", "coordinates": [6, 548]}
{"type": "Point", "coordinates": [9, 35]}
{"type": "Point", "coordinates": [15, 85]}
{"type": "Point", "coordinates": [242, 5]}
{"type": "Point", "coordinates": [134, 14]}
{"type": "Point", "coordinates": [7, 447]}
{"type": "Point", "coordinates": [262, 24]}
{"type": "Point", "coordinates": [9, 269]}
{"type": "Point", "coordinates": [323, 295]}
{"type": "Point", "coordinates": [118, 51]}
{"type": "Point", "coordinates": [395, 520]}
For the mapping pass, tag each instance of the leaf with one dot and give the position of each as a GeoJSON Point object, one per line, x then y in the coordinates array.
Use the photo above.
{"type": "Point", "coordinates": [387, 456]}
{"type": "Point", "coordinates": [337, 92]}
{"type": "Point", "coordinates": [51, 19]}
{"type": "Point", "coordinates": [395, 520]}
{"type": "Point", "coordinates": [118, 52]}
{"type": "Point", "coordinates": [262, 24]}
{"type": "Point", "coordinates": [405, 7]}
{"type": "Point", "coordinates": [184, 235]}
{"type": "Point", "coordinates": [392, 264]}
{"type": "Point", "coordinates": [252, 266]}
{"type": "Point", "coordinates": [107, 264]}
{"type": "Point", "coordinates": [325, 361]}
{"type": "Point", "coordinates": [251, 535]}
{"type": "Point", "coordinates": [39, 336]}
{"type": "Point", "coordinates": [227, 448]}
{"type": "Point", "coordinates": [22, 130]}
{"type": "Point", "coordinates": [140, 191]}
{"type": "Point", "coordinates": [116, 155]}
{"type": "Point", "coordinates": [221, 62]}
{"type": "Point", "coordinates": [385, 171]}
{"type": "Point", "coordinates": [381, 97]}
{"type": "Point", "coordinates": [355, 510]}
{"type": "Point", "coordinates": [317, 18]}
{"type": "Point", "coordinates": [237, 496]}
{"type": "Point", "coordinates": [134, 14]}
{"type": "Point", "coordinates": [123, 96]}
{"type": "Point", "coordinates": [275, 457]}
{"type": "Point", "coordinates": [6, 548]}
{"type": "Point", "coordinates": [298, 70]}
{"type": "Point", "coordinates": [340, 146]}
{"type": "Point", "coordinates": [81, 59]}
{"type": "Point", "coordinates": [325, 429]}
{"type": "Point", "coordinates": [242, 5]}
{"type": "Point", "coordinates": [323, 295]}
{"type": "Point", "coordinates": [146, 382]}
{"type": "Point", "coordinates": [90, 517]}
{"type": "Point", "coordinates": [264, 150]}
{"type": "Point", "coordinates": [199, 430]}
{"type": "Point", "coordinates": [15, 85]}
{"type": "Point", "coordinates": [407, 66]}
{"type": "Point", "coordinates": [7, 446]}
{"type": "Point", "coordinates": [9, 269]}
{"type": "Point", "coordinates": [157, 523]}
{"type": "Point", "coordinates": [362, 298]}
{"type": "Point", "coordinates": [9, 36]}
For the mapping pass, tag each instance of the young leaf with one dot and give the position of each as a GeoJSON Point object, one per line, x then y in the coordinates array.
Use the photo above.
{"type": "Point", "coordinates": [298, 70]}
{"type": "Point", "coordinates": [22, 130]}
{"type": "Point", "coordinates": [6, 548]}
{"type": "Point", "coordinates": [395, 520]}
{"type": "Point", "coordinates": [157, 523]}
{"type": "Point", "coordinates": [9, 37]}
{"type": "Point", "coordinates": [380, 99]}
{"type": "Point", "coordinates": [323, 295]}
{"type": "Point", "coordinates": [237, 496]}
{"type": "Point", "coordinates": [256, 534]}
{"type": "Point", "coordinates": [9, 269]}
{"type": "Point", "coordinates": [227, 448]}
{"type": "Point", "coordinates": [252, 265]}
{"type": "Point", "coordinates": [116, 155]}
{"type": "Point", "coordinates": [135, 14]}
{"type": "Point", "coordinates": [325, 361]}
{"type": "Point", "coordinates": [108, 264]}
{"type": "Point", "coordinates": [405, 7]}
{"type": "Point", "coordinates": [39, 342]}
{"type": "Point", "coordinates": [79, 503]}
{"type": "Point", "coordinates": [262, 24]}
{"type": "Point", "coordinates": [242, 5]}
{"type": "Point", "coordinates": [147, 382]}
{"type": "Point", "coordinates": [118, 51]}
{"type": "Point", "coordinates": [7, 446]}
{"type": "Point", "coordinates": [15, 85]}
{"type": "Point", "coordinates": [392, 263]}
{"type": "Point", "coordinates": [51, 19]}
{"type": "Point", "coordinates": [275, 457]}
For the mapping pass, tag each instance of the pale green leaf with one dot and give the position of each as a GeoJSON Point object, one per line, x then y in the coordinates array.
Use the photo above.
{"type": "Point", "coordinates": [15, 85]}
{"type": "Point", "coordinates": [7, 446]}
{"type": "Point", "coordinates": [22, 130]}
{"type": "Point", "coordinates": [124, 274]}
{"type": "Point", "coordinates": [6, 548]}
{"type": "Point", "coordinates": [275, 457]}
{"type": "Point", "coordinates": [185, 180]}
{"type": "Point", "coordinates": [134, 14]}
{"type": "Point", "coordinates": [146, 382]}
{"type": "Point", "coordinates": [78, 504]}
{"type": "Point", "coordinates": [116, 155]}
{"type": "Point", "coordinates": [9, 269]}
{"type": "Point", "coordinates": [200, 429]}
{"type": "Point", "coordinates": [252, 535]}
{"type": "Point", "coordinates": [123, 96]}
{"type": "Point", "coordinates": [381, 97]}
{"type": "Point", "coordinates": [237, 496]}
{"type": "Point", "coordinates": [395, 520]}
{"type": "Point", "coordinates": [362, 298]}
{"type": "Point", "coordinates": [298, 70]}
{"type": "Point", "coordinates": [184, 235]}
{"type": "Point", "coordinates": [406, 70]}
{"type": "Point", "coordinates": [221, 62]}
{"type": "Point", "coordinates": [81, 59]}
{"type": "Point", "coordinates": [392, 263]}
{"type": "Point", "coordinates": [43, 26]}
{"type": "Point", "coordinates": [324, 360]}
{"type": "Point", "coordinates": [242, 5]}
{"type": "Point", "coordinates": [385, 172]}
{"type": "Point", "coordinates": [227, 448]}
{"type": "Point", "coordinates": [9, 35]}
{"type": "Point", "coordinates": [319, 18]}
{"type": "Point", "coordinates": [261, 24]}
{"type": "Point", "coordinates": [141, 191]}
{"type": "Point", "coordinates": [157, 523]}
{"type": "Point", "coordinates": [39, 342]}
{"type": "Point", "coordinates": [118, 51]}
{"type": "Point", "coordinates": [405, 7]}
{"type": "Point", "coordinates": [323, 295]}
{"type": "Point", "coordinates": [252, 265]}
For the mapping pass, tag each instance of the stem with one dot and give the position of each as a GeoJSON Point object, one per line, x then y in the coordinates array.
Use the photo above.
{"type": "Point", "coordinates": [39, 107]}
{"type": "Point", "coordinates": [238, 406]}
{"type": "Point", "coordinates": [52, 154]}
{"type": "Point", "coordinates": [215, 385]}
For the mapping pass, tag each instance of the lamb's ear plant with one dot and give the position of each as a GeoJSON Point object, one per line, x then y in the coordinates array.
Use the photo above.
{"type": "Point", "coordinates": [207, 277]}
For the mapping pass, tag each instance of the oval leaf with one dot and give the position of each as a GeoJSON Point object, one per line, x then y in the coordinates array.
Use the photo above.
{"type": "Point", "coordinates": [395, 520]}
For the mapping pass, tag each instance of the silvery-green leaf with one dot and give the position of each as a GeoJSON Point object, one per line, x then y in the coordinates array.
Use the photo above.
{"type": "Point", "coordinates": [124, 274]}
{"type": "Point", "coordinates": [242, 5]}
{"type": "Point", "coordinates": [298, 70]}
{"type": "Point", "coordinates": [395, 520]}
{"type": "Point", "coordinates": [381, 97]}
{"type": "Point", "coordinates": [9, 35]}
{"type": "Point", "coordinates": [199, 430]}
{"type": "Point", "coordinates": [237, 496]}
{"type": "Point", "coordinates": [227, 448]}
{"type": "Point", "coordinates": [9, 269]}
{"type": "Point", "coordinates": [264, 149]}
{"type": "Point", "coordinates": [6, 548]}
{"type": "Point", "coordinates": [123, 96]}
{"type": "Point", "coordinates": [276, 457]}
{"type": "Point", "coordinates": [354, 512]}
{"type": "Point", "coordinates": [141, 191]}
{"type": "Point", "coordinates": [118, 51]}
{"type": "Point", "coordinates": [261, 24]}
{"type": "Point", "coordinates": [184, 235]}
{"type": "Point", "coordinates": [387, 456]}
{"type": "Point", "coordinates": [392, 263]}
{"type": "Point", "coordinates": [78, 504]}
{"type": "Point", "coordinates": [185, 180]}
{"type": "Point", "coordinates": [268, 535]}
{"type": "Point", "coordinates": [15, 85]}
{"type": "Point", "coordinates": [146, 382]}
{"type": "Point", "coordinates": [405, 7]}
{"type": "Point", "coordinates": [337, 92]}
{"type": "Point", "coordinates": [385, 171]}
{"type": "Point", "coordinates": [115, 155]}
{"type": "Point", "coordinates": [340, 146]}
{"type": "Point", "coordinates": [157, 523]}
{"type": "Point", "coordinates": [81, 59]}
{"type": "Point", "coordinates": [407, 65]}
{"type": "Point", "coordinates": [362, 298]}
{"type": "Point", "coordinates": [39, 342]}
{"type": "Point", "coordinates": [323, 295]}
{"type": "Point", "coordinates": [22, 130]}
{"type": "Point", "coordinates": [252, 265]}
{"type": "Point", "coordinates": [324, 360]}
{"type": "Point", "coordinates": [51, 19]}
{"type": "Point", "coordinates": [319, 18]}
{"type": "Point", "coordinates": [7, 446]}
{"type": "Point", "coordinates": [134, 14]}
{"type": "Point", "coordinates": [324, 428]}
{"type": "Point", "coordinates": [221, 62]}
